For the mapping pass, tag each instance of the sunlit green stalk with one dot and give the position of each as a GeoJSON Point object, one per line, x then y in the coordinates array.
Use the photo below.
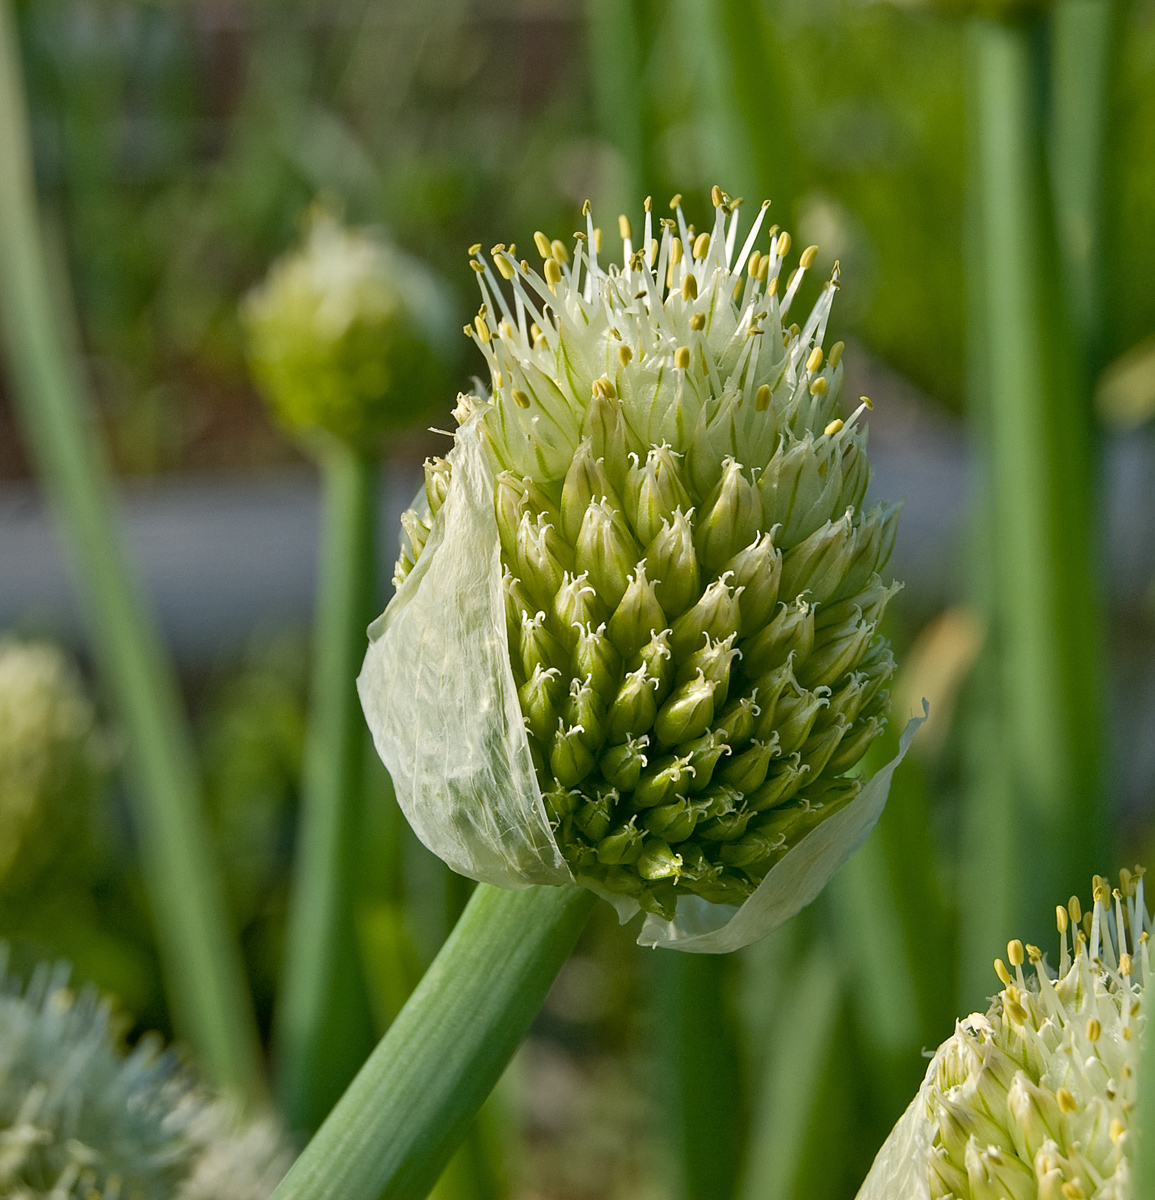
{"type": "Point", "coordinates": [203, 973]}
{"type": "Point", "coordinates": [396, 1126]}
{"type": "Point", "coordinates": [1033, 425]}
{"type": "Point", "coordinates": [324, 1024]}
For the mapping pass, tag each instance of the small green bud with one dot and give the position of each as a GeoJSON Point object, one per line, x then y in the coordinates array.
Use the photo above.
{"type": "Point", "coordinates": [585, 710]}
{"type": "Point", "coordinates": [769, 688]}
{"type": "Point", "coordinates": [658, 861]}
{"type": "Point", "coordinates": [672, 822]}
{"type": "Point", "coordinates": [634, 707]}
{"type": "Point", "coordinates": [757, 569]}
{"type": "Point", "coordinates": [658, 660]}
{"type": "Point", "coordinates": [727, 828]}
{"type": "Point", "coordinates": [414, 530]}
{"type": "Point", "coordinates": [585, 482]}
{"type": "Point", "coordinates": [639, 616]}
{"type": "Point", "coordinates": [673, 565]}
{"type": "Point", "coordinates": [730, 518]}
{"type": "Point", "coordinates": [704, 753]}
{"type": "Point", "coordinates": [855, 474]}
{"type": "Point", "coordinates": [561, 802]}
{"type": "Point", "coordinates": [754, 852]}
{"type": "Point", "coordinates": [539, 648]}
{"type": "Point", "coordinates": [667, 779]}
{"type": "Point", "coordinates": [712, 661]}
{"type": "Point", "coordinates": [655, 492]}
{"type": "Point", "coordinates": [873, 545]}
{"type": "Point", "coordinates": [518, 602]}
{"type": "Point", "coordinates": [821, 745]}
{"type": "Point", "coordinates": [854, 744]}
{"type": "Point", "coordinates": [716, 615]}
{"type": "Point", "coordinates": [790, 633]}
{"type": "Point", "coordinates": [817, 565]}
{"type": "Point", "coordinates": [747, 771]}
{"type": "Point", "coordinates": [623, 765]}
{"type": "Point", "coordinates": [509, 505]}
{"type": "Point", "coordinates": [833, 657]}
{"type": "Point", "coordinates": [847, 702]}
{"type": "Point", "coordinates": [596, 659]}
{"type": "Point", "coordinates": [800, 488]}
{"type": "Point", "coordinates": [781, 782]}
{"type": "Point", "coordinates": [687, 713]}
{"type": "Point", "coordinates": [437, 474]}
{"type": "Point", "coordinates": [577, 604]}
{"type": "Point", "coordinates": [605, 430]}
{"type": "Point", "coordinates": [595, 815]}
{"type": "Point", "coordinates": [622, 845]}
{"type": "Point", "coordinates": [541, 697]}
{"type": "Point", "coordinates": [607, 551]}
{"type": "Point", "coordinates": [543, 558]}
{"type": "Point", "coordinates": [795, 715]}
{"type": "Point", "coordinates": [570, 759]}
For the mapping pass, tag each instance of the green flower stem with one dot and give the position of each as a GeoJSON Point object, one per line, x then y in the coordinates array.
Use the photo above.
{"type": "Point", "coordinates": [397, 1125]}
{"type": "Point", "coordinates": [324, 1022]}
{"type": "Point", "coordinates": [705, 1115]}
{"type": "Point", "coordinates": [203, 972]}
{"type": "Point", "coordinates": [1034, 431]}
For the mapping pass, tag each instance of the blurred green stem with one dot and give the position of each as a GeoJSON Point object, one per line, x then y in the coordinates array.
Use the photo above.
{"type": "Point", "coordinates": [324, 1023]}
{"type": "Point", "coordinates": [705, 1114]}
{"type": "Point", "coordinates": [203, 973]}
{"type": "Point", "coordinates": [1034, 433]}
{"type": "Point", "coordinates": [396, 1126]}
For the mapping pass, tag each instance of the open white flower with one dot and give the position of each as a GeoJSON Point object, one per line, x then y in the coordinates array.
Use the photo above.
{"type": "Point", "coordinates": [635, 642]}
{"type": "Point", "coordinates": [1035, 1099]}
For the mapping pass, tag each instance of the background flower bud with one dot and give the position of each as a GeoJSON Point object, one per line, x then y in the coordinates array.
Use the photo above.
{"type": "Point", "coordinates": [348, 335]}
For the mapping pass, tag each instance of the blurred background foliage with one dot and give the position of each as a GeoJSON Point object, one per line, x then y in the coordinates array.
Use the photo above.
{"type": "Point", "coordinates": [178, 146]}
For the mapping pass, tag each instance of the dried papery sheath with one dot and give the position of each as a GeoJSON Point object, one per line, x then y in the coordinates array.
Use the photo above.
{"type": "Point", "coordinates": [81, 1119]}
{"type": "Point", "coordinates": [635, 639]}
{"type": "Point", "coordinates": [1036, 1098]}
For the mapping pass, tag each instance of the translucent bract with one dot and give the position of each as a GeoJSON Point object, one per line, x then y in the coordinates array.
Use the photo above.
{"type": "Point", "coordinates": [635, 638]}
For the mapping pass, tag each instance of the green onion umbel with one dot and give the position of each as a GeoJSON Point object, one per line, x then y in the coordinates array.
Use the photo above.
{"type": "Point", "coordinates": [691, 579]}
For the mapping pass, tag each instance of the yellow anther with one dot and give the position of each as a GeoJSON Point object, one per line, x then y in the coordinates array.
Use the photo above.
{"type": "Point", "coordinates": [833, 427]}
{"type": "Point", "coordinates": [677, 199]}
{"type": "Point", "coordinates": [1075, 909]}
{"type": "Point", "coordinates": [1002, 972]}
{"type": "Point", "coordinates": [676, 251]}
{"type": "Point", "coordinates": [701, 245]}
{"type": "Point", "coordinates": [604, 387]}
{"type": "Point", "coordinates": [794, 330]}
{"type": "Point", "coordinates": [476, 266]}
{"type": "Point", "coordinates": [504, 328]}
{"type": "Point", "coordinates": [819, 386]}
{"type": "Point", "coordinates": [1117, 1130]}
{"type": "Point", "coordinates": [1072, 1191]}
{"type": "Point", "coordinates": [1034, 954]}
{"type": "Point", "coordinates": [1066, 1100]}
{"type": "Point", "coordinates": [1015, 952]}
{"type": "Point", "coordinates": [624, 355]}
{"type": "Point", "coordinates": [689, 288]}
{"type": "Point", "coordinates": [762, 398]}
{"type": "Point", "coordinates": [474, 249]}
{"type": "Point", "coordinates": [1088, 920]}
{"type": "Point", "coordinates": [1126, 966]}
{"type": "Point", "coordinates": [752, 264]}
{"type": "Point", "coordinates": [560, 251]}
{"type": "Point", "coordinates": [717, 196]}
{"type": "Point", "coordinates": [653, 256]}
{"type": "Point", "coordinates": [772, 289]}
{"type": "Point", "coordinates": [597, 241]}
{"type": "Point", "coordinates": [1015, 1011]}
{"type": "Point", "coordinates": [624, 226]}
{"type": "Point", "coordinates": [520, 398]}
{"type": "Point", "coordinates": [1061, 918]}
{"type": "Point", "coordinates": [552, 272]}
{"type": "Point", "coordinates": [836, 353]}
{"type": "Point", "coordinates": [1093, 1029]}
{"type": "Point", "coordinates": [783, 246]}
{"type": "Point", "coordinates": [1127, 882]}
{"type": "Point", "coordinates": [585, 208]}
{"type": "Point", "coordinates": [542, 244]}
{"type": "Point", "coordinates": [698, 322]}
{"type": "Point", "coordinates": [682, 358]}
{"type": "Point", "coordinates": [648, 203]}
{"type": "Point", "coordinates": [808, 257]}
{"type": "Point", "coordinates": [814, 359]}
{"type": "Point", "coordinates": [1100, 890]}
{"type": "Point", "coordinates": [504, 265]}
{"type": "Point", "coordinates": [482, 328]}
{"type": "Point", "coordinates": [535, 332]}
{"type": "Point", "coordinates": [524, 266]}
{"type": "Point", "coordinates": [1126, 1031]}
{"type": "Point", "coordinates": [498, 381]}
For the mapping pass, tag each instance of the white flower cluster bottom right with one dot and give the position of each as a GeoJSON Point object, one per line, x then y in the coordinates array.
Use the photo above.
{"type": "Point", "coordinates": [1033, 1100]}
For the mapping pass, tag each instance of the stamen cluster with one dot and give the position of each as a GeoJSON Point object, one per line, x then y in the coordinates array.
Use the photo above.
{"type": "Point", "coordinates": [691, 580]}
